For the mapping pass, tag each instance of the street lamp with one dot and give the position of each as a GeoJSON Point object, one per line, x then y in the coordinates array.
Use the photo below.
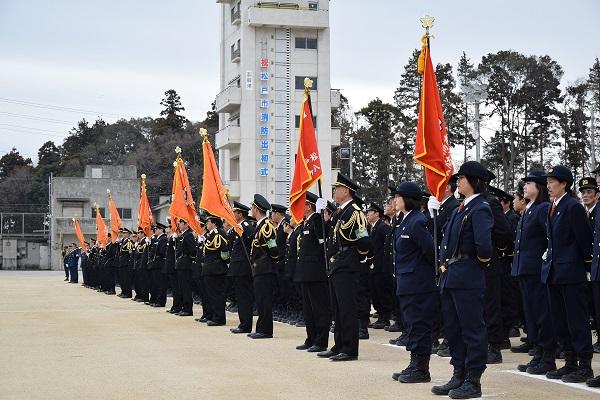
{"type": "Point", "coordinates": [475, 93]}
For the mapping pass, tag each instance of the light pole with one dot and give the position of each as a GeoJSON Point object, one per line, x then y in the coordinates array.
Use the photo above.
{"type": "Point", "coordinates": [475, 93]}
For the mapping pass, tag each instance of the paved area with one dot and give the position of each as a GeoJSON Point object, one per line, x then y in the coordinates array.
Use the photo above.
{"type": "Point", "coordinates": [62, 341]}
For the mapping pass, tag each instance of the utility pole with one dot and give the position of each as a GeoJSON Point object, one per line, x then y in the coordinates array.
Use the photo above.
{"type": "Point", "coordinates": [476, 93]}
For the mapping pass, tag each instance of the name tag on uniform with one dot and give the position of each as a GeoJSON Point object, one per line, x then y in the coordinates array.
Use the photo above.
{"type": "Point", "coordinates": [405, 236]}
{"type": "Point", "coordinates": [306, 232]}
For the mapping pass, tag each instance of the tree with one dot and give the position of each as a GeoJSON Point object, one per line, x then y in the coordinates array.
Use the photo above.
{"type": "Point", "coordinates": [12, 161]}
{"type": "Point", "coordinates": [453, 107]}
{"type": "Point", "coordinates": [594, 90]}
{"type": "Point", "coordinates": [170, 117]}
{"type": "Point", "coordinates": [574, 129]}
{"type": "Point", "coordinates": [466, 76]}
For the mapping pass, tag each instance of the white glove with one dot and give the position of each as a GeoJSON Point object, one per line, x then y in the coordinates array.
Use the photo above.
{"type": "Point", "coordinates": [147, 240]}
{"type": "Point", "coordinates": [321, 204]}
{"type": "Point", "coordinates": [433, 204]}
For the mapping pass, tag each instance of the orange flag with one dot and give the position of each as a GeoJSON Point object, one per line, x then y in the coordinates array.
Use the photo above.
{"type": "Point", "coordinates": [144, 212]}
{"type": "Point", "coordinates": [79, 234]}
{"type": "Point", "coordinates": [101, 232]}
{"type": "Point", "coordinates": [115, 219]}
{"type": "Point", "coordinates": [182, 204]}
{"type": "Point", "coordinates": [307, 169]}
{"type": "Point", "coordinates": [214, 195]}
{"type": "Point", "coordinates": [431, 147]}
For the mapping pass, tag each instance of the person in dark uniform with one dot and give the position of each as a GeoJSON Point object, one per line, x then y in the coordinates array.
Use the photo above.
{"type": "Point", "coordinates": [466, 250]}
{"type": "Point", "coordinates": [142, 292]}
{"type": "Point", "coordinates": [281, 301]}
{"type": "Point", "coordinates": [388, 264]}
{"type": "Point", "coordinates": [157, 256]}
{"type": "Point", "coordinates": [111, 263]}
{"type": "Point", "coordinates": [414, 257]}
{"type": "Point", "coordinates": [309, 240]}
{"type": "Point", "coordinates": [239, 268]}
{"type": "Point", "coordinates": [589, 197]}
{"type": "Point", "coordinates": [73, 260]}
{"type": "Point", "coordinates": [264, 254]}
{"type": "Point", "coordinates": [170, 272]}
{"type": "Point", "coordinates": [125, 264]}
{"type": "Point", "coordinates": [214, 268]}
{"type": "Point", "coordinates": [595, 283]}
{"type": "Point", "coordinates": [564, 271]}
{"type": "Point", "coordinates": [348, 247]}
{"type": "Point", "coordinates": [185, 255]}
{"type": "Point", "coordinates": [381, 282]}
{"type": "Point", "coordinates": [530, 244]}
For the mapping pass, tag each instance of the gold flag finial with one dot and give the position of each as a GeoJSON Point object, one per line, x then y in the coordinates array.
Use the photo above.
{"type": "Point", "coordinates": [427, 21]}
{"type": "Point", "coordinates": [178, 150]}
{"type": "Point", "coordinates": [108, 192]}
{"type": "Point", "coordinates": [203, 134]}
{"type": "Point", "coordinates": [144, 176]}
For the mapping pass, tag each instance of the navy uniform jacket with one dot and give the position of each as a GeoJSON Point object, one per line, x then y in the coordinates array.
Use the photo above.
{"type": "Point", "coordinates": [281, 240]}
{"type": "Point", "coordinates": [215, 253]}
{"type": "Point", "coordinates": [264, 252]}
{"type": "Point", "coordinates": [570, 240]}
{"type": "Point", "coordinates": [291, 258]}
{"type": "Point", "coordinates": [595, 269]}
{"type": "Point", "coordinates": [310, 266]}
{"type": "Point", "coordinates": [531, 241]}
{"type": "Point", "coordinates": [169, 265]}
{"type": "Point", "coordinates": [125, 251]}
{"type": "Point", "coordinates": [444, 214]}
{"type": "Point", "coordinates": [378, 234]}
{"type": "Point", "coordinates": [466, 247]}
{"type": "Point", "coordinates": [592, 216]}
{"type": "Point", "coordinates": [239, 264]}
{"type": "Point", "coordinates": [185, 251]}
{"type": "Point", "coordinates": [348, 244]}
{"type": "Point", "coordinates": [159, 253]}
{"type": "Point", "coordinates": [414, 255]}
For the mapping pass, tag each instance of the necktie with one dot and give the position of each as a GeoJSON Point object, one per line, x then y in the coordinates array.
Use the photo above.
{"type": "Point", "coordinates": [461, 207]}
{"type": "Point", "coordinates": [552, 209]}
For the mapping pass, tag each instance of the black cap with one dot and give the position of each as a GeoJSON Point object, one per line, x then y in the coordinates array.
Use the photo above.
{"type": "Point", "coordinates": [261, 203]}
{"type": "Point", "coordinates": [311, 198]}
{"type": "Point", "coordinates": [331, 207]}
{"type": "Point", "coordinates": [500, 194]}
{"type": "Point", "coordinates": [561, 173]}
{"type": "Point", "coordinates": [214, 219]}
{"type": "Point", "coordinates": [202, 219]}
{"type": "Point", "coordinates": [391, 187]}
{"type": "Point", "coordinates": [240, 207]}
{"type": "Point", "coordinates": [160, 226]}
{"type": "Point", "coordinates": [491, 176]}
{"type": "Point", "coordinates": [588, 183]}
{"type": "Point", "coordinates": [358, 199]}
{"type": "Point", "coordinates": [537, 177]}
{"type": "Point", "coordinates": [343, 180]}
{"type": "Point", "coordinates": [474, 169]}
{"type": "Point", "coordinates": [425, 194]}
{"type": "Point", "coordinates": [519, 192]}
{"type": "Point", "coordinates": [278, 208]}
{"type": "Point", "coordinates": [125, 230]}
{"type": "Point", "coordinates": [140, 229]}
{"type": "Point", "coordinates": [375, 207]}
{"type": "Point", "coordinates": [410, 190]}
{"type": "Point", "coordinates": [287, 218]}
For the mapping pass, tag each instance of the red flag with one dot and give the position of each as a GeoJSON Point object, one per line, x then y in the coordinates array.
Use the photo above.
{"type": "Point", "coordinates": [115, 218]}
{"type": "Point", "coordinates": [182, 205]}
{"type": "Point", "coordinates": [79, 234]}
{"type": "Point", "coordinates": [214, 195]}
{"type": "Point", "coordinates": [307, 169]}
{"type": "Point", "coordinates": [431, 148]}
{"type": "Point", "coordinates": [101, 233]}
{"type": "Point", "coordinates": [144, 211]}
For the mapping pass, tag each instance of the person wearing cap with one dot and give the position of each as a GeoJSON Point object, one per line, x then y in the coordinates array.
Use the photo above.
{"type": "Point", "coordinates": [72, 260]}
{"type": "Point", "coordinates": [348, 247]}
{"type": "Point", "coordinates": [125, 264]}
{"type": "Point", "coordinates": [156, 260]}
{"type": "Point", "coordinates": [293, 231]}
{"type": "Point", "coordinates": [85, 264]}
{"type": "Point", "coordinates": [564, 271]}
{"type": "Point", "coordinates": [595, 287]}
{"type": "Point", "coordinates": [215, 256]}
{"type": "Point", "coordinates": [465, 251]}
{"type": "Point", "coordinates": [239, 268]}
{"type": "Point", "coordinates": [530, 244]}
{"type": "Point", "coordinates": [311, 274]}
{"type": "Point", "coordinates": [199, 285]}
{"type": "Point", "coordinates": [142, 280]}
{"type": "Point", "coordinates": [414, 258]}
{"type": "Point", "coordinates": [281, 301]}
{"type": "Point", "coordinates": [520, 202]}
{"type": "Point", "coordinates": [169, 267]}
{"type": "Point", "coordinates": [264, 255]}
{"type": "Point", "coordinates": [388, 264]}
{"type": "Point", "coordinates": [589, 197]}
{"type": "Point", "coordinates": [185, 254]}
{"type": "Point", "coordinates": [381, 281]}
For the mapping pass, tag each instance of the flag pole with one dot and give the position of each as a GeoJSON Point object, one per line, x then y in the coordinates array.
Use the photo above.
{"type": "Point", "coordinates": [307, 85]}
{"type": "Point", "coordinates": [427, 22]}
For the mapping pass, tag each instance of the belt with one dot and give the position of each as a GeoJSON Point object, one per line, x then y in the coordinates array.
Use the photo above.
{"type": "Point", "coordinates": [454, 259]}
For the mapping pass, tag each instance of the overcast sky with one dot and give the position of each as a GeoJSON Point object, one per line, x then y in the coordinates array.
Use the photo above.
{"type": "Point", "coordinates": [63, 60]}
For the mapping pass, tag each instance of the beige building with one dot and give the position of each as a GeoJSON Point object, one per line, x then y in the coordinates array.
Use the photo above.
{"type": "Point", "coordinates": [267, 49]}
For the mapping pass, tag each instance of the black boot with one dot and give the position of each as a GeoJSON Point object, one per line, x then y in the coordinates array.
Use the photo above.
{"type": "Point", "coordinates": [382, 322]}
{"type": "Point", "coordinates": [458, 377]}
{"type": "Point", "coordinates": [570, 366]}
{"type": "Point", "coordinates": [583, 373]}
{"type": "Point", "coordinates": [420, 373]}
{"type": "Point", "coordinates": [494, 354]}
{"type": "Point", "coordinates": [471, 387]}
{"type": "Point", "coordinates": [537, 356]}
{"type": "Point", "coordinates": [411, 365]}
{"type": "Point", "coordinates": [545, 365]}
{"type": "Point", "coordinates": [443, 349]}
{"type": "Point", "coordinates": [593, 382]}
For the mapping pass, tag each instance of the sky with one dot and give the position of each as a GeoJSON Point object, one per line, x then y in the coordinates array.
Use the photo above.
{"type": "Point", "coordinates": [61, 61]}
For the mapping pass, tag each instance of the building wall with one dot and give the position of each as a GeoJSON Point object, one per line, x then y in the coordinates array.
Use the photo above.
{"type": "Point", "coordinates": [124, 186]}
{"type": "Point", "coordinates": [274, 41]}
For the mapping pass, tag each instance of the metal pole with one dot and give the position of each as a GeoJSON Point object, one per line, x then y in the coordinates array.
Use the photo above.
{"type": "Point", "coordinates": [593, 137]}
{"type": "Point", "coordinates": [351, 166]}
{"type": "Point", "coordinates": [50, 217]}
{"type": "Point", "coordinates": [477, 133]}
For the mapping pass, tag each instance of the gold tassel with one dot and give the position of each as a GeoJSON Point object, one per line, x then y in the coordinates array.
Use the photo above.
{"type": "Point", "coordinates": [421, 61]}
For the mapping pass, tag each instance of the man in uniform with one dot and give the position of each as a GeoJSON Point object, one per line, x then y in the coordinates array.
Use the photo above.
{"type": "Point", "coordinates": [157, 256]}
{"type": "Point", "coordinates": [348, 247]}
{"type": "Point", "coordinates": [239, 268]}
{"type": "Point", "coordinates": [311, 273]}
{"type": "Point", "coordinates": [281, 307]}
{"type": "Point", "coordinates": [589, 197]}
{"type": "Point", "coordinates": [380, 280]}
{"type": "Point", "coordinates": [264, 255]}
{"type": "Point", "coordinates": [169, 270]}
{"type": "Point", "coordinates": [125, 266]}
{"type": "Point", "coordinates": [185, 255]}
{"type": "Point", "coordinates": [214, 268]}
